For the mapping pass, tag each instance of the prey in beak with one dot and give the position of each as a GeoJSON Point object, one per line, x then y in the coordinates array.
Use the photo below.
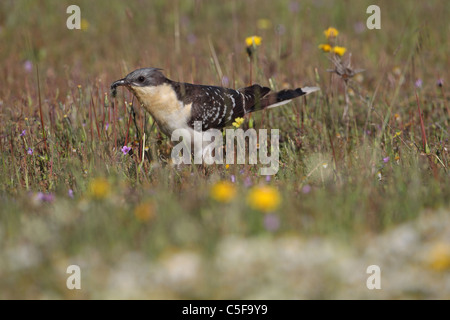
{"type": "Point", "coordinates": [116, 84]}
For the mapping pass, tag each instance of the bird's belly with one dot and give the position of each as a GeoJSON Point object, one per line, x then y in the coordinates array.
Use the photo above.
{"type": "Point", "coordinates": [162, 103]}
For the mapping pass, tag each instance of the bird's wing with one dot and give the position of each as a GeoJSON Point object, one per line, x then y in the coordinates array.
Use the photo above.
{"type": "Point", "coordinates": [217, 107]}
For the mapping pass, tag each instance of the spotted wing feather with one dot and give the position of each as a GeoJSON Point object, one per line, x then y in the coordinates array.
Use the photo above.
{"type": "Point", "coordinates": [218, 107]}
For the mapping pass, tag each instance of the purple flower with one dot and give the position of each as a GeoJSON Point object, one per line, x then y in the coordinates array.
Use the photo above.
{"type": "Point", "coordinates": [45, 197]}
{"type": "Point", "coordinates": [440, 82]}
{"type": "Point", "coordinates": [306, 189]}
{"type": "Point", "coordinates": [125, 149]}
{"type": "Point", "coordinates": [359, 27]}
{"type": "Point", "coordinates": [107, 126]}
{"type": "Point", "coordinates": [268, 178]}
{"type": "Point", "coordinates": [23, 132]}
{"type": "Point", "coordinates": [225, 81]}
{"type": "Point", "coordinates": [271, 222]}
{"type": "Point", "coordinates": [28, 66]}
{"type": "Point", "coordinates": [191, 38]}
{"type": "Point", "coordinates": [280, 29]}
{"type": "Point", "coordinates": [386, 160]}
{"type": "Point", "coordinates": [418, 83]}
{"type": "Point", "coordinates": [294, 6]}
{"type": "Point", "coordinates": [30, 151]}
{"type": "Point", "coordinates": [70, 193]}
{"type": "Point", "coordinates": [233, 178]}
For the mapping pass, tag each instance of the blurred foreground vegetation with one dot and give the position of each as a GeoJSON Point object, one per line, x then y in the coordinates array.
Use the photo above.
{"type": "Point", "coordinates": [370, 188]}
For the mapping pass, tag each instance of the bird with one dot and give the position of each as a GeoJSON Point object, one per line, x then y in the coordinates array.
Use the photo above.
{"type": "Point", "coordinates": [177, 105]}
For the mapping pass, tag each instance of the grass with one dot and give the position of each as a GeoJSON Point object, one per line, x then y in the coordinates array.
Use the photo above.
{"type": "Point", "coordinates": [77, 199]}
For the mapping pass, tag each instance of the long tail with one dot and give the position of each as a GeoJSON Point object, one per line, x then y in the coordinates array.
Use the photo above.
{"type": "Point", "coordinates": [282, 97]}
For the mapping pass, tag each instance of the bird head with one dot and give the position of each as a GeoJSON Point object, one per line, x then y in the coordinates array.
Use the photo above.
{"type": "Point", "coordinates": [146, 77]}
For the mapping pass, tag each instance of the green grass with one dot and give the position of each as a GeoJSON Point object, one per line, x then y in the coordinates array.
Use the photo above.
{"type": "Point", "coordinates": [335, 180]}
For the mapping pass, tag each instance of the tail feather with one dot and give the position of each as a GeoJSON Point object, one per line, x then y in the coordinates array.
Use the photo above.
{"type": "Point", "coordinates": [282, 97]}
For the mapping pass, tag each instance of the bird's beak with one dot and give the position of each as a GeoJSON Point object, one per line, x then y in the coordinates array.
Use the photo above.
{"type": "Point", "coordinates": [115, 84]}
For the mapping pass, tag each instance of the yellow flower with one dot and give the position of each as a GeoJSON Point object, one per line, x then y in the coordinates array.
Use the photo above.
{"type": "Point", "coordinates": [253, 40]}
{"type": "Point", "coordinates": [99, 188]}
{"type": "Point", "coordinates": [145, 211]}
{"type": "Point", "coordinates": [237, 122]}
{"type": "Point", "coordinates": [325, 47]}
{"type": "Point", "coordinates": [264, 198]}
{"type": "Point", "coordinates": [331, 32]}
{"type": "Point", "coordinates": [264, 24]}
{"type": "Point", "coordinates": [84, 24]}
{"type": "Point", "coordinates": [439, 258]}
{"type": "Point", "coordinates": [223, 191]}
{"type": "Point", "coordinates": [339, 50]}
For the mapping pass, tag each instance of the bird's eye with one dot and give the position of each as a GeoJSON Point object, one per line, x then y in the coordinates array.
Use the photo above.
{"type": "Point", "coordinates": [141, 79]}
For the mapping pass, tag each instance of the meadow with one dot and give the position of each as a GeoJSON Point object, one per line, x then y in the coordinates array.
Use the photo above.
{"type": "Point", "coordinates": [364, 163]}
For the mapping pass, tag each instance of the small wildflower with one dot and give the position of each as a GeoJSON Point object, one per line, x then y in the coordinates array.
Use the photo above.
{"type": "Point", "coordinates": [264, 24]}
{"type": "Point", "coordinates": [397, 158]}
{"type": "Point", "coordinates": [107, 126]}
{"type": "Point", "coordinates": [268, 178]}
{"type": "Point", "coordinates": [23, 132]}
{"type": "Point", "coordinates": [237, 122]}
{"type": "Point", "coordinates": [30, 151]}
{"type": "Point", "coordinates": [79, 86]}
{"type": "Point", "coordinates": [386, 160]}
{"type": "Point", "coordinates": [253, 40]}
{"type": "Point", "coordinates": [65, 116]}
{"type": "Point", "coordinates": [325, 165]}
{"type": "Point", "coordinates": [418, 83]}
{"type": "Point", "coordinates": [294, 6]}
{"type": "Point", "coordinates": [379, 175]}
{"type": "Point", "coordinates": [99, 188]}
{"type": "Point", "coordinates": [26, 119]}
{"type": "Point", "coordinates": [397, 71]}
{"type": "Point", "coordinates": [440, 83]}
{"type": "Point", "coordinates": [264, 198]}
{"type": "Point", "coordinates": [223, 191]}
{"type": "Point", "coordinates": [225, 81]}
{"type": "Point", "coordinates": [439, 259]}
{"type": "Point", "coordinates": [325, 47]}
{"type": "Point", "coordinates": [271, 222]}
{"type": "Point", "coordinates": [398, 133]}
{"type": "Point", "coordinates": [339, 50]}
{"type": "Point", "coordinates": [359, 78]}
{"type": "Point", "coordinates": [45, 197]}
{"type": "Point", "coordinates": [28, 66]}
{"type": "Point", "coordinates": [70, 193]}
{"type": "Point", "coordinates": [125, 149]}
{"type": "Point", "coordinates": [84, 24]}
{"type": "Point", "coordinates": [343, 70]}
{"type": "Point", "coordinates": [306, 189]}
{"type": "Point", "coordinates": [359, 27]}
{"type": "Point", "coordinates": [396, 116]}
{"type": "Point", "coordinates": [145, 211]}
{"type": "Point", "coordinates": [248, 182]}
{"type": "Point", "coordinates": [331, 32]}
{"type": "Point", "coordinates": [233, 178]}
